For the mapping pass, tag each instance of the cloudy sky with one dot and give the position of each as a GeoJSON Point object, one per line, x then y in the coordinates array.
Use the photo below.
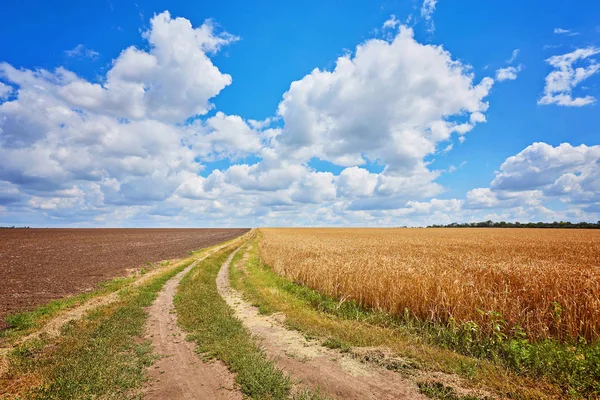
{"type": "Point", "coordinates": [298, 113]}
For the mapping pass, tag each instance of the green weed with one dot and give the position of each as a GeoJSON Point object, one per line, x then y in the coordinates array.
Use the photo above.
{"type": "Point", "coordinates": [437, 390]}
{"type": "Point", "coordinates": [20, 324]}
{"type": "Point", "coordinates": [101, 355]}
{"type": "Point", "coordinates": [211, 324]}
{"type": "Point", "coordinates": [505, 359]}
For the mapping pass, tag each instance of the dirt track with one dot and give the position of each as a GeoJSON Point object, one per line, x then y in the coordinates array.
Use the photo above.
{"type": "Point", "coordinates": [39, 265]}
{"type": "Point", "coordinates": [180, 373]}
{"type": "Point", "coordinates": [336, 375]}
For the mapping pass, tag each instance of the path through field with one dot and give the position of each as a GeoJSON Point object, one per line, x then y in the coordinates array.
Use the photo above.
{"type": "Point", "coordinates": [337, 375]}
{"type": "Point", "coordinates": [180, 373]}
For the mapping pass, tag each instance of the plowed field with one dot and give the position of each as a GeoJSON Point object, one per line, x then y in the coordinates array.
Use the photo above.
{"type": "Point", "coordinates": [38, 265]}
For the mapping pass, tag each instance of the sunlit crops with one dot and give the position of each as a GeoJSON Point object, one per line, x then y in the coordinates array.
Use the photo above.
{"type": "Point", "coordinates": [546, 281]}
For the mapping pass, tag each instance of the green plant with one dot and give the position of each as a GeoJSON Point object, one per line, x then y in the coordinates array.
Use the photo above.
{"type": "Point", "coordinates": [210, 322]}
{"type": "Point", "coordinates": [437, 390]}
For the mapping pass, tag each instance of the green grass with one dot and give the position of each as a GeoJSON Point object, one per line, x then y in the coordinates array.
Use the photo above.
{"type": "Point", "coordinates": [102, 355]}
{"type": "Point", "coordinates": [505, 367]}
{"type": "Point", "coordinates": [334, 343]}
{"type": "Point", "coordinates": [21, 324]}
{"type": "Point", "coordinates": [439, 391]}
{"type": "Point", "coordinates": [574, 367]}
{"type": "Point", "coordinates": [218, 334]}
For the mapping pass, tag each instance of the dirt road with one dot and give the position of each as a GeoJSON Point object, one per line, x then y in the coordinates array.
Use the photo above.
{"type": "Point", "coordinates": [180, 373]}
{"type": "Point", "coordinates": [337, 375]}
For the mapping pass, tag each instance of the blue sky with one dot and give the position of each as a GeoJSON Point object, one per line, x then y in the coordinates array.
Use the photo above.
{"type": "Point", "coordinates": [298, 113]}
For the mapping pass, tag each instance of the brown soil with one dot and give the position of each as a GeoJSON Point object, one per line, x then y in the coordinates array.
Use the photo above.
{"type": "Point", "coordinates": [39, 265]}
{"type": "Point", "coordinates": [53, 327]}
{"type": "Point", "coordinates": [180, 373]}
{"type": "Point", "coordinates": [335, 374]}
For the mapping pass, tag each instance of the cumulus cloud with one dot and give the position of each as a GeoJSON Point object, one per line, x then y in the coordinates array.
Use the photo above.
{"type": "Point", "coordinates": [566, 77]}
{"type": "Point", "coordinates": [571, 173]}
{"type": "Point", "coordinates": [390, 101]}
{"type": "Point", "coordinates": [521, 190]}
{"type": "Point", "coordinates": [170, 82]}
{"type": "Point", "coordinates": [356, 182]}
{"type": "Point", "coordinates": [5, 91]}
{"type": "Point", "coordinates": [508, 73]}
{"type": "Point", "coordinates": [140, 145]}
{"type": "Point", "coordinates": [224, 136]}
{"type": "Point", "coordinates": [541, 173]}
{"type": "Point", "coordinates": [121, 143]}
{"type": "Point", "coordinates": [488, 198]}
{"type": "Point", "coordinates": [522, 187]}
{"type": "Point", "coordinates": [67, 143]}
{"type": "Point", "coordinates": [434, 205]}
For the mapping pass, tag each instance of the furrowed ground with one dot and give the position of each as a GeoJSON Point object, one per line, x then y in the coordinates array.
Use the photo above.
{"type": "Point", "coordinates": [528, 300]}
{"type": "Point", "coordinates": [91, 345]}
{"type": "Point", "coordinates": [459, 314]}
{"type": "Point", "coordinates": [40, 265]}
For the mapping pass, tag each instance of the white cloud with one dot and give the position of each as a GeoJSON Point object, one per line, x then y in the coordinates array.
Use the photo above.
{"type": "Point", "coordinates": [435, 205]}
{"type": "Point", "coordinates": [568, 32]}
{"type": "Point", "coordinates": [135, 149]}
{"type": "Point", "coordinates": [568, 173]}
{"type": "Point", "coordinates": [224, 136]}
{"type": "Point", "coordinates": [261, 124]}
{"type": "Point", "coordinates": [120, 144]}
{"type": "Point", "coordinates": [5, 91]}
{"type": "Point", "coordinates": [541, 173]}
{"type": "Point", "coordinates": [172, 81]}
{"type": "Point", "coordinates": [448, 148]}
{"type": "Point", "coordinates": [571, 173]}
{"type": "Point", "coordinates": [561, 82]}
{"type": "Point", "coordinates": [427, 10]}
{"type": "Point", "coordinates": [514, 56]}
{"type": "Point", "coordinates": [390, 101]}
{"type": "Point", "coordinates": [316, 187]}
{"type": "Point", "coordinates": [508, 73]}
{"type": "Point", "coordinates": [488, 198]}
{"type": "Point", "coordinates": [391, 23]}
{"type": "Point", "coordinates": [69, 143]}
{"type": "Point", "coordinates": [511, 72]}
{"type": "Point", "coordinates": [522, 187]}
{"type": "Point", "coordinates": [356, 182]}
{"type": "Point", "coordinates": [80, 51]}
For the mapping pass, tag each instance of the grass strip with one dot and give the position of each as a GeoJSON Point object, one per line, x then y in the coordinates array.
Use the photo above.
{"type": "Point", "coordinates": [218, 334]}
{"type": "Point", "coordinates": [101, 355]}
{"type": "Point", "coordinates": [348, 325]}
{"type": "Point", "coordinates": [23, 323]}
{"type": "Point", "coordinates": [438, 391]}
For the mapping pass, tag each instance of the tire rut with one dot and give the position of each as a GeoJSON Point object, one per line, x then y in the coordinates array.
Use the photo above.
{"type": "Point", "coordinates": [180, 373]}
{"type": "Point", "coordinates": [335, 374]}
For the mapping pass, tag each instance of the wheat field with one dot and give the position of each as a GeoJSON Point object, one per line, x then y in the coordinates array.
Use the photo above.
{"type": "Point", "coordinates": [546, 281]}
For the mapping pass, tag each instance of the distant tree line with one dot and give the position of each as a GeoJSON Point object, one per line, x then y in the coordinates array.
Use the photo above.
{"type": "Point", "coordinates": [14, 227]}
{"type": "Point", "coordinates": [503, 224]}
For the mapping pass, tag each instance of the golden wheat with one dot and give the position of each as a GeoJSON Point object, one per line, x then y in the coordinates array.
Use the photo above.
{"type": "Point", "coordinates": [545, 281]}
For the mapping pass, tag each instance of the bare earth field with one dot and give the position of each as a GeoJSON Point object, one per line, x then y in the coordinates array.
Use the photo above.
{"type": "Point", "coordinates": [39, 265]}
